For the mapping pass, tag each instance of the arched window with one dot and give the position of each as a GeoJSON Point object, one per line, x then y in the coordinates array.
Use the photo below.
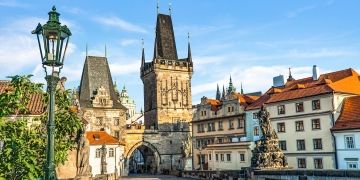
{"type": "Point", "coordinates": [111, 152]}
{"type": "Point", "coordinates": [98, 152]}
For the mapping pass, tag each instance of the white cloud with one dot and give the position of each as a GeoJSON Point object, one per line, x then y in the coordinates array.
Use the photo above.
{"type": "Point", "coordinates": [119, 23]}
{"type": "Point", "coordinates": [129, 42]}
{"type": "Point", "coordinates": [121, 69]}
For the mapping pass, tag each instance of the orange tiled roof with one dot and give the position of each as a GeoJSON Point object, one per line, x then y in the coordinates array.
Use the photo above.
{"type": "Point", "coordinates": [259, 102]}
{"type": "Point", "coordinates": [245, 99]}
{"type": "Point", "coordinates": [100, 138]}
{"type": "Point", "coordinates": [350, 115]}
{"type": "Point", "coordinates": [213, 102]}
{"type": "Point", "coordinates": [344, 81]}
{"type": "Point", "coordinates": [36, 104]}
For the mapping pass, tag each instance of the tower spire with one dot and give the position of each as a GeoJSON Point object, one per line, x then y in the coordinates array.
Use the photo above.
{"type": "Point", "coordinates": [218, 95]}
{"type": "Point", "coordinates": [223, 93]}
{"type": "Point", "coordinates": [231, 88]}
{"type": "Point", "coordinates": [189, 49]}
{"type": "Point", "coordinates": [143, 53]}
{"type": "Point", "coordinates": [241, 90]}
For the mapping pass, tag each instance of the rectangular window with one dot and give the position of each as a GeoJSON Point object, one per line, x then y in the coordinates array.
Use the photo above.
{"type": "Point", "coordinates": [300, 145]}
{"type": "Point", "coordinates": [282, 145]}
{"type": "Point", "coordinates": [222, 157]}
{"type": "Point", "coordinates": [317, 143]}
{"type": "Point", "coordinates": [232, 108]}
{"type": "Point", "coordinates": [116, 121]}
{"type": "Point", "coordinates": [281, 127]}
{"type": "Point", "coordinates": [349, 142]}
{"type": "Point", "coordinates": [301, 163]}
{"type": "Point", "coordinates": [220, 123]}
{"type": "Point", "coordinates": [117, 134]}
{"type": "Point", "coordinates": [229, 109]}
{"type": "Point", "coordinates": [217, 157]}
{"type": "Point", "coordinates": [198, 128]}
{"type": "Point", "coordinates": [231, 124]}
{"type": "Point", "coordinates": [299, 125]}
{"type": "Point", "coordinates": [97, 153]}
{"type": "Point", "coordinates": [315, 123]}
{"type": "Point", "coordinates": [209, 127]}
{"type": "Point", "coordinates": [299, 107]}
{"type": "Point", "coordinates": [256, 131]}
{"type": "Point", "coordinates": [209, 157]}
{"type": "Point", "coordinates": [99, 121]}
{"type": "Point", "coordinates": [318, 164]}
{"type": "Point", "coordinates": [281, 109]}
{"type": "Point", "coordinates": [352, 165]}
{"type": "Point", "coordinates": [255, 116]}
{"type": "Point", "coordinates": [111, 152]}
{"type": "Point", "coordinates": [241, 123]}
{"type": "Point", "coordinates": [315, 104]}
{"type": "Point", "coordinates": [242, 157]}
{"type": "Point", "coordinates": [220, 140]}
{"type": "Point", "coordinates": [228, 157]}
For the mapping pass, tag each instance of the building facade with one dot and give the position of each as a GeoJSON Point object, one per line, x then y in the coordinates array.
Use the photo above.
{"type": "Point", "coordinates": [106, 154]}
{"type": "Point", "coordinates": [219, 131]}
{"type": "Point", "coordinates": [347, 134]}
{"type": "Point", "coordinates": [303, 111]}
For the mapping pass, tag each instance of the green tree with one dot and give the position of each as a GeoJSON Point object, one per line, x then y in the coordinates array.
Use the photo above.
{"type": "Point", "coordinates": [24, 147]}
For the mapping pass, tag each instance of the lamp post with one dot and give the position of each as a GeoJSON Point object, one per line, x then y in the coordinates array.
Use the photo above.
{"type": "Point", "coordinates": [51, 38]}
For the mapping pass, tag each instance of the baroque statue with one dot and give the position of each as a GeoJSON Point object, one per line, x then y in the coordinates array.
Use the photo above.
{"type": "Point", "coordinates": [267, 154]}
{"type": "Point", "coordinates": [82, 160]}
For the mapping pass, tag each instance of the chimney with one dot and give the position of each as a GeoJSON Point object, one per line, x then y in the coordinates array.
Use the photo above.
{"type": "Point", "coordinates": [315, 74]}
{"type": "Point", "coordinates": [278, 81]}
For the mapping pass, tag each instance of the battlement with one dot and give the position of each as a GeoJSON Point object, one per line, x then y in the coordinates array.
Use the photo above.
{"type": "Point", "coordinates": [165, 64]}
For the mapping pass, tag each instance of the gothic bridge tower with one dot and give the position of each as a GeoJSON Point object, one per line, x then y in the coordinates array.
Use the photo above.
{"type": "Point", "coordinates": [167, 82]}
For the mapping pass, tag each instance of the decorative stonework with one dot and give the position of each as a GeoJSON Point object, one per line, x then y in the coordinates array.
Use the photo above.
{"type": "Point", "coordinates": [267, 153]}
{"type": "Point", "coordinates": [102, 98]}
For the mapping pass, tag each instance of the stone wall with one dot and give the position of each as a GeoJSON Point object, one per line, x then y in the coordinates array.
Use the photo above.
{"type": "Point", "coordinates": [275, 174]}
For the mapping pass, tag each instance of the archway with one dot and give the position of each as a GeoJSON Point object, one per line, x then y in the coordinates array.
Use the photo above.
{"type": "Point", "coordinates": [142, 158]}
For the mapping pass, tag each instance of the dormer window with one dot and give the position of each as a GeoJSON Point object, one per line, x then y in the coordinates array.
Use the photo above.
{"type": "Point", "coordinates": [96, 137]}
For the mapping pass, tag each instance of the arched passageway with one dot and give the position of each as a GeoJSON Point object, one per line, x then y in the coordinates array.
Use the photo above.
{"type": "Point", "coordinates": [143, 158]}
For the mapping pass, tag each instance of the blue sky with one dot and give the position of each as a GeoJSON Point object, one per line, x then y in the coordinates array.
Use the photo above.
{"type": "Point", "coordinates": [251, 40]}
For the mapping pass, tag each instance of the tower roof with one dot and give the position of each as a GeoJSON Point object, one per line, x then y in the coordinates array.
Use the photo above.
{"type": "Point", "coordinates": [96, 73]}
{"type": "Point", "coordinates": [165, 46]}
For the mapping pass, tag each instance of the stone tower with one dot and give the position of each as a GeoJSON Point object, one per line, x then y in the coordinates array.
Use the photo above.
{"type": "Point", "coordinates": [167, 81]}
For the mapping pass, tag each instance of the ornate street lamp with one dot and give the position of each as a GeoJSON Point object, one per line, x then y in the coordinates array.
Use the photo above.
{"type": "Point", "coordinates": [51, 38]}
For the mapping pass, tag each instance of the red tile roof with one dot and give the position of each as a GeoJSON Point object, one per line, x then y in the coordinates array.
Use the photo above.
{"type": "Point", "coordinates": [344, 81]}
{"type": "Point", "coordinates": [350, 115]}
{"type": "Point", "coordinates": [36, 104]}
{"type": "Point", "coordinates": [100, 138]}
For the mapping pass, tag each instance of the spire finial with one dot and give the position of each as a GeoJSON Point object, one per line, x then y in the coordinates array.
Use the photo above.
{"type": "Point", "coordinates": [290, 76]}
{"type": "Point", "coordinates": [86, 49]}
{"type": "Point", "coordinates": [157, 7]}
{"type": "Point", "coordinates": [142, 53]}
{"type": "Point", "coordinates": [105, 51]}
{"type": "Point", "coordinates": [188, 37]}
{"type": "Point", "coordinates": [170, 8]}
{"type": "Point", "coordinates": [142, 43]}
{"type": "Point", "coordinates": [241, 90]}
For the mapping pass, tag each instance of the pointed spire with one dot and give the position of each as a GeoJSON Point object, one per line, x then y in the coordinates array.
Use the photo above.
{"type": "Point", "coordinates": [189, 49]}
{"type": "Point", "coordinates": [105, 51]}
{"type": "Point", "coordinates": [241, 90]}
{"type": "Point", "coordinates": [231, 88]}
{"type": "Point", "coordinates": [124, 88]}
{"type": "Point", "coordinates": [223, 93]}
{"type": "Point", "coordinates": [156, 53]}
{"type": "Point", "coordinates": [290, 76]}
{"type": "Point", "coordinates": [218, 95]}
{"type": "Point", "coordinates": [143, 53]}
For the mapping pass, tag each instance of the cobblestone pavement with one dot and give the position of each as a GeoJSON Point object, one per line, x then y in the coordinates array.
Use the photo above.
{"type": "Point", "coordinates": [153, 177]}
